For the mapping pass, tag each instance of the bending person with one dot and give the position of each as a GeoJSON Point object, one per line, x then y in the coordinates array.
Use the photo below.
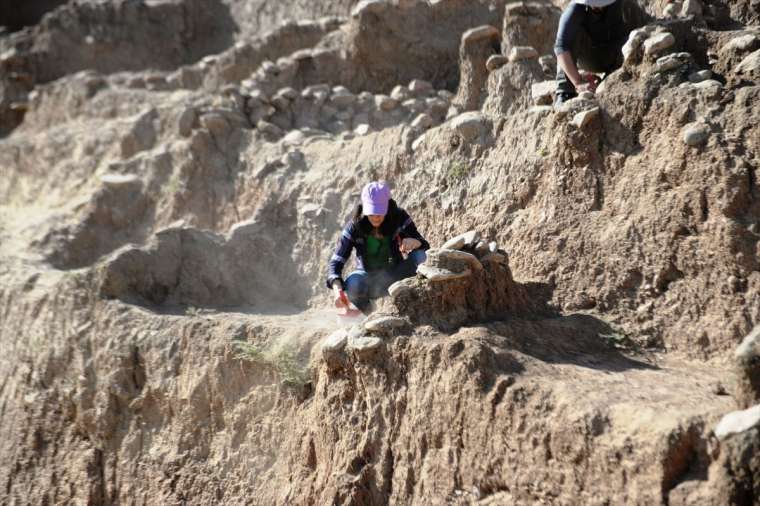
{"type": "Point", "coordinates": [388, 248]}
{"type": "Point", "coordinates": [591, 35]}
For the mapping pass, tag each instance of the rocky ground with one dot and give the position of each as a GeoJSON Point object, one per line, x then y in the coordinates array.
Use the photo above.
{"type": "Point", "coordinates": [174, 176]}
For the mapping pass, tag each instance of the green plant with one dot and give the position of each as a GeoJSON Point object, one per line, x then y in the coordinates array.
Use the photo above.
{"type": "Point", "coordinates": [284, 361]}
{"type": "Point", "coordinates": [457, 169]}
{"type": "Point", "coordinates": [192, 311]}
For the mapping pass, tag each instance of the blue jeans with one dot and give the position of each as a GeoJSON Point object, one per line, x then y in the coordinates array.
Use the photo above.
{"type": "Point", "coordinates": [361, 286]}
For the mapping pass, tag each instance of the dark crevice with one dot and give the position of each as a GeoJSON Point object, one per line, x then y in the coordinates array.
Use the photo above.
{"type": "Point", "coordinates": [16, 15]}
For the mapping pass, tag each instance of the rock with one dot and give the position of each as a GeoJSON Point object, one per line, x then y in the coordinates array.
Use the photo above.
{"type": "Point", "coordinates": [362, 129]}
{"type": "Point", "coordinates": [414, 105]}
{"type": "Point", "coordinates": [342, 98]}
{"type": "Point", "coordinates": [401, 288]}
{"type": "Point", "coordinates": [455, 255]}
{"type": "Point", "coordinates": [691, 8]}
{"type": "Point", "coordinates": [543, 93]}
{"type": "Point", "coordinates": [738, 422]}
{"type": "Point", "coordinates": [672, 61]}
{"type": "Point", "coordinates": [385, 325]}
{"type": "Point", "coordinates": [420, 88]}
{"type": "Point", "coordinates": [215, 123]}
{"type": "Point", "coordinates": [584, 118]}
{"type": "Point", "coordinates": [437, 107]}
{"type": "Point", "coordinates": [469, 238]}
{"type": "Point", "coordinates": [294, 138]}
{"type": "Point", "coordinates": [493, 246]}
{"type": "Point", "coordinates": [470, 125]}
{"type": "Point", "coordinates": [496, 61]}
{"type": "Point", "coordinates": [369, 7]}
{"type": "Point", "coordinates": [365, 347]}
{"type": "Point", "coordinates": [120, 180]}
{"type": "Point", "coordinates": [750, 64]}
{"type": "Point", "coordinates": [269, 129]}
{"type": "Point", "coordinates": [386, 103]}
{"type": "Point", "coordinates": [658, 43]}
{"type": "Point", "coordinates": [548, 64]}
{"type": "Point", "coordinates": [498, 258]}
{"type": "Point", "coordinates": [632, 45]}
{"type": "Point", "coordinates": [518, 53]}
{"type": "Point", "coordinates": [422, 121]}
{"type": "Point", "coordinates": [586, 95]}
{"type": "Point", "coordinates": [446, 95]}
{"type": "Point", "coordinates": [696, 134]}
{"type": "Point", "coordinates": [671, 11]}
{"type": "Point", "coordinates": [700, 75]}
{"type": "Point", "coordinates": [481, 33]}
{"type": "Point", "coordinates": [334, 345]}
{"type": "Point", "coordinates": [400, 93]}
{"type": "Point", "coordinates": [186, 121]}
{"type": "Point", "coordinates": [747, 357]}
{"type": "Point", "coordinates": [436, 274]}
{"type": "Point", "coordinates": [288, 92]}
{"type": "Point", "coordinates": [709, 87]}
{"type": "Point", "coordinates": [741, 44]}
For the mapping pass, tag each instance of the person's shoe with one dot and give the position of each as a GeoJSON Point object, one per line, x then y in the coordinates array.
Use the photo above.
{"type": "Point", "coordinates": [561, 98]}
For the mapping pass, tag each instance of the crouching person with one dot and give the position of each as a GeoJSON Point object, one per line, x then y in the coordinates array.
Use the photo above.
{"type": "Point", "coordinates": [388, 248]}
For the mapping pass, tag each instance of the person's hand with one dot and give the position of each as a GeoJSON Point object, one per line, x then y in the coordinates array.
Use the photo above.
{"type": "Point", "coordinates": [338, 294]}
{"type": "Point", "coordinates": [409, 244]}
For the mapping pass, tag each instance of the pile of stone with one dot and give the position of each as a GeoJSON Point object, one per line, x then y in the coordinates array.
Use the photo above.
{"type": "Point", "coordinates": [363, 341]}
{"type": "Point", "coordinates": [321, 109]}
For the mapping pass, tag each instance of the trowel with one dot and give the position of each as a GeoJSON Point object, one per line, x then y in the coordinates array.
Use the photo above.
{"type": "Point", "coordinates": [349, 313]}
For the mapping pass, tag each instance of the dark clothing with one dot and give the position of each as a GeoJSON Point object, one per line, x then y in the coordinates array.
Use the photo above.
{"type": "Point", "coordinates": [594, 40]}
{"type": "Point", "coordinates": [397, 225]}
{"type": "Point", "coordinates": [361, 286]}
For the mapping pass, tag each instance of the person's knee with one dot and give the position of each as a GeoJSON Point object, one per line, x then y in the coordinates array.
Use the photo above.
{"type": "Point", "coordinates": [418, 256]}
{"type": "Point", "coordinates": [356, 284]}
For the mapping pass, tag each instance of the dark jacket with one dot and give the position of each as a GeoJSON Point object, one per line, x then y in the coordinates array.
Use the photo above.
{"type": "Point", "coordinates": [397, 225]}
{"type": "Point", "coordinates": [605, 28]}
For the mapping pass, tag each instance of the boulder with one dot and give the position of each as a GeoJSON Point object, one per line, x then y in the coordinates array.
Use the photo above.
{"type": "Point", "coordinates": [747, 359]}
{"type": "Point", "coordinates": [750, 64]}
{"type": "Point", "coordinates": [422, 121]}
{"type": "Point", "coordinates": [496, 61]}
{"type": "Point", "coordinates": [738, 422]}
{"type": "Point", "coordinates": [385, 325]}
{"type": "Point", "coordinates": [420, 88]}
{"type": "Point", "coordinates": [436, 274]}
{"type": "Point", "coordinates": [333, 347]}
{"type": "Point", "coordinates": [658, 43]}
{"type": "Point", "coordinates": [672, 61]}
{"type": "Point", "coordinates": [696, 134]}
{"type": "Point", "coordinates": [342, 98]}
{"type": "Point", "coordinates": [543, 93]}
{"type": "Point", "coordinates": [518, 53]}
{"type": "Point", "coordinates": [448, 256]}
{"type": "Point", "coordinates": [385, 103]}
{"type": "Point", "coordinates": [365, 346]}
{"type": "Point", "coordinates": [469, 238]}
{"type": "Point", "coordinates": [584, 118]}
{"type": "Point", "coordinates": [691, 8]}
{"type": "Point", "coordinates": [470, 125]}
{"type": "Point", "coordinates": [400, 93]}
{"type": "Point", "coordinates": [700, 75]}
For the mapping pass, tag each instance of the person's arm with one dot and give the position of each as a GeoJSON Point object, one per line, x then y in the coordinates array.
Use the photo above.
{"type": "Point", "coordinates": [340, 257]}
{"type": "Point", "coordinates": [411, 239]}
{"type": "Point", "coordinates": [567, 31]}
{"type": "Point", "coordinates": [565, 60]}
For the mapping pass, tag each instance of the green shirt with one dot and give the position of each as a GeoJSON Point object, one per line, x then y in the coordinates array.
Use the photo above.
{"type": "Point", "coordinates": [378, 253]}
